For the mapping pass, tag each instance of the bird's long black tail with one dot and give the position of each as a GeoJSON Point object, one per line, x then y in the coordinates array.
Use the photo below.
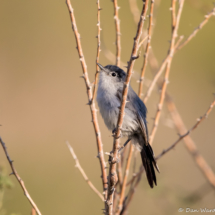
{"type": "Point", "coordinates": [149, 163]}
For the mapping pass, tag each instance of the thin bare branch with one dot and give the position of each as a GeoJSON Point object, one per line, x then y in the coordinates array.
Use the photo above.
{"type": "Point", "coordinates": [142, 41]}
{"type": "Point", "coordinates": [207, 17]}
{"type": "Point", "coordinates": [118, 33]}
{"type": "Point", "coordinates": [189, 143]}
{"type": "Point", "coordinates": [78, 165]}
{"type": "Point", "coordinates": [21, 182]}
{"type": "Point", "coordinates": [91, 103]}
{"type": "Point", "coordinates": [188, 132]}
{"type": "Point", "coordinates": [122, 194]}
{"type": "Point", "coordinates": [98, 49]}
{"type": "Point", "coordinates": [112, 171]}
{"type": "Point", "coordinates": [145, 60]}
{"type": "Point", "coordinates": [169, 61]}
{"type": "Point", "coordinates": [173, 8]}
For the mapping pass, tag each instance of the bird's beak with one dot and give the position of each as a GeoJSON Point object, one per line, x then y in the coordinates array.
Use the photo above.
{"type": "Point", "coordinates": [101, 67]}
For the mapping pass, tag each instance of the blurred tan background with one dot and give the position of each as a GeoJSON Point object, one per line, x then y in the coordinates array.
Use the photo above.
{"type": "Point", "coordinates": [43, 104]}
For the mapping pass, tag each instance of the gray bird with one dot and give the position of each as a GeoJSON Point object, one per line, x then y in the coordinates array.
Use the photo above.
{"type": "Point", "coordinates": [109, 97]}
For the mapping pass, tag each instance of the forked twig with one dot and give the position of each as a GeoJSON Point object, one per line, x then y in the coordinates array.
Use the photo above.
{"type": "Point", "coordinates": [177, 47]}
{"type": "Point", "coordinates": [112, 171]}
{"type": "Point", "coordinates": [118, 34]}
{"type": "Point", "coordinates": [165, 82]}
{"type": "Point", "coordinates": [21, 182]}
{"type": "Point", "coordinates": [207, 17]}
{"type": "Point", "coordinates": [91, 102]}
{"type": "Point", "coordinates": [188, 132]}
{"type": "Point", "coordinates": [189, 143]}
{"type": "Point", "coordinates": [77, 164]}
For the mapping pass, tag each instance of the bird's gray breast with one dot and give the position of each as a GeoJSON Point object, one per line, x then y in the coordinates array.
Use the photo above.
{"type": "Point", "coordinates": [109, 105]}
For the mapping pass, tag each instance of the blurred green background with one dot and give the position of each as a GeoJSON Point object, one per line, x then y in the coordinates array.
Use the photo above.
{"type": "Point", "coordinates": [43, 104]}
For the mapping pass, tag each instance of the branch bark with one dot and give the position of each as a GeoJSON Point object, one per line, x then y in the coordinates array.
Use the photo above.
{"type": "Point", "coordinates": [118, 34]}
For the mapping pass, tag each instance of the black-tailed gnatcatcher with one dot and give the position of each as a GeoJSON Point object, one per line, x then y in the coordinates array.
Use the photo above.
{"type": "Point", "coordinates": [109, 96]}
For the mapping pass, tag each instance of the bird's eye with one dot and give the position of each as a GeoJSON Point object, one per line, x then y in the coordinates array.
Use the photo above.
{"type": "Point", "coordinates": [113, 74]}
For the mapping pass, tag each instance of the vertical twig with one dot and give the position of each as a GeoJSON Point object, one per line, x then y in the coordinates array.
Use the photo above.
{"type": "Point", "coordinates": [91, 104]}
{"type": "Point", "coordinates": [21, 182]}
{"type": "Point", "coordinates": [165, 82]}
{"type": "Point", "coordinates": [173, 8]}
{"type": "Point", "coordinates": [147, 48]}
{"type": "Point", "coordinates": [118, 33]}
{"type": "Point", "coordinates": [122, 194]}
{"type": "Point", "coordinates": [112, 171]}
{"type": "Point", "coordinates": [98, 49]}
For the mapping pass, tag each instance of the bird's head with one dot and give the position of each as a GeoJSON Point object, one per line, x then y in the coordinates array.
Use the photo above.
{"type": "Point", "coordinates": [112, 73]}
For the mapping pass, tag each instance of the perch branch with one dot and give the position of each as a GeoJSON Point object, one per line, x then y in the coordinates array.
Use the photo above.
{"type": "Point", "coordinates": [188, 132]}
{"type": "Point", "coordinates": [112, 171]}
{"type": "Point", "coordinates": [171, 53]}
{"type": "Point", "coordinates": [118, 34]}
{"type": "Point", "coordinates": [98, 49]}
{"type": "Point", "coordinates": [145, 56]}
{"type": "Point", "coordinates": [189, 143]}
{"type": "Point", "coordinates": [207, 17]}
{"type": "Point", "coordinates": [21, 182]}
{"type": "Point", "coordinates": [78, 165]}
{"type": "Point", "coordinates": [91, 103]}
